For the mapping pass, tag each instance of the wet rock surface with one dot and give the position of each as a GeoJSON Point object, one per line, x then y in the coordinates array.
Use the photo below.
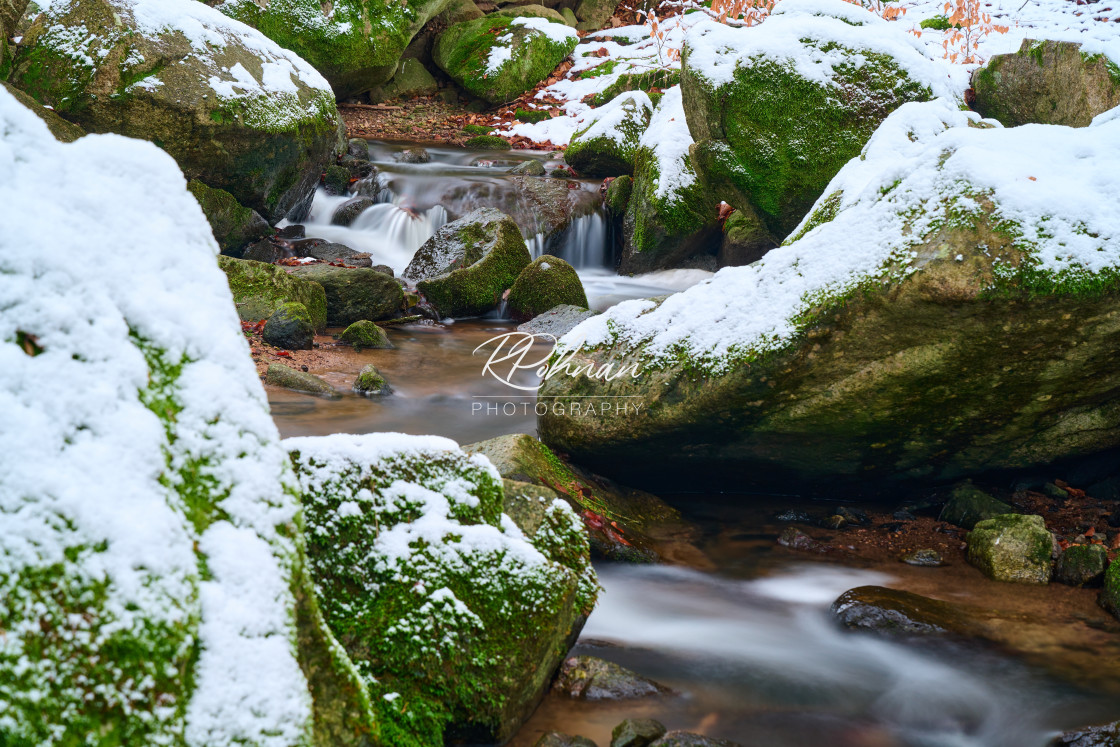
{"type": "Point", "coordinates": [589, 678]}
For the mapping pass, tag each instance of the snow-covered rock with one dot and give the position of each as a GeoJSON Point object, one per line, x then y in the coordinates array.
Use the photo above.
{"type": "Point", "coordinates": [455, 616]}
{"type": "Point", "coordinates": [948, 307]}
{"type": "Point", "coordinates": [607, 144]}
{"type": "Point", "coordinates": [777, 109]}
{"type": "Point", "coordinates": [234, 109]}
{"type": "Point", "coordinates": [149, 561]}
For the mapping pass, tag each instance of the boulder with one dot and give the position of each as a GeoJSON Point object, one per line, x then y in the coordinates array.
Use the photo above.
{"type": "Point", "coordinates": [595, 13]}
{"type": "Point", "coordinates": [440, 600]}
{"type": "Point", "coordinates": [412, 80]}
{"type": "Point", "coordinates": [607, 145]}
{"type": "Point", "coordinates": [531, 11]}
{"type": "Point", "coordinates": [776, 112]}
{"type": "Point", "coordinates": [1081, 565]}
{"type": "Point", "coordinates": [497, 58]}
{"type": "Point", "coordinates": [1013, 548]}
{"type": "Point", "coordinates": [260, 289]}
{"type": "Point", "coordinates": [590, 678]}
{"type": "Point", "coordinates": [233, 109]}
{"type": "Point", "coordinates": [969, 504]}
{"type": "Point", "coordinates": [336, 180]}
{"type": "Point", "coordinates": [1110, 597]}
{"type": "Point", "coordinates": [637, 732]}
{"type": "Point", "coordinates": [354, 294]}
{"type": "Point", "coordinates": [299, 381]}
{"type": "Point", "coordinates": [467, 265]}
{"type": "Point", "coordinates": [355, 44]}
{"type": "Point", "coordinates": [618, 194]}
{"type": "Point", "coordinates": [745, 240]}
{"type": "Point", "coordinates": [358, 147]}
{"type": "Point", "coordinates": [365, 335]}
{"type": "Point", "coordinates": [1047, 82]}
{"type": "Point", "coordinates": [347, 212]}
{"type": "Point", "coordinates": [547, 202]}
{"type": "Point", "coordinates": [557, 321]}
{"type": "Point", "coordinates": [545, 284]}
{"type": "Point", "coordinates": [892, 612]}
{"type": "Point", "coordinates": [62, 130]}
{"type": "Point", "coordinates": [669, 215]}
{"type": "Point", "coordinates": [151, 560]}
{"type": "Point", "coordinates": [233, 224]}
{"type": "Point", "coordinates": [371, 382]}
{"type": "Point", "coordinates": [290, 328]}
{"type": "Point", "coordinates": [869, 360]}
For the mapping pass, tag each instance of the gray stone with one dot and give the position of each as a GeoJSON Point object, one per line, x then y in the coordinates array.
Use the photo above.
{"type": "Point", "coordinates": [557, 321]}
{"type": "Point", "coordinates": [637, 732]}
{"type": "Point", "coordinates": [590, 678]}
{"type": "Point", "coordinates": [289, 328]}
{"type": "Point", "coordinates": [1081, 565]}
{"type": "Point", "coordinates": [299, 381]}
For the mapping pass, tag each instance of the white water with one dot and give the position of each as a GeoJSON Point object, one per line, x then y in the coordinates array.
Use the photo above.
{"type": "Point", "coordinates": [747, 646]}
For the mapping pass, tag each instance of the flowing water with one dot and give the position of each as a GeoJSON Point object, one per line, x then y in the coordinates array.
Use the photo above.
{"type": "Point", "coordinates": [749, 648]}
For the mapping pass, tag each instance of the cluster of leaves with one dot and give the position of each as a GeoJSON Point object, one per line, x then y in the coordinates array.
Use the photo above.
{"type": "Point", "coordinates": [969, 24]}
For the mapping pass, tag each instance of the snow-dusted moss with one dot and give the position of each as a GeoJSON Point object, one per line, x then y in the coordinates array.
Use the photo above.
{"type": "Point", "coordinates": [607, 145]}
{"type": "Point", "coordinates": [233, 108]}
{"type": "Point", "coordinates": [150, 555]}
{"type": "Point", "coordinates": [454, 617]}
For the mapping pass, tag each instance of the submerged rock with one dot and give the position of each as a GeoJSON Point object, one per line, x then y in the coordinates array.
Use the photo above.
{"type": "Point", "coordinates": [1047, 82]}
{"type": "Point", "coordinates": [969, 504]}
{"type": "Point", "coordinates": [260, 289]}
{"type": "Point", "coordinates": [467, 265]}
{"type": "Point", "coordinates": [290, 328]}
{"type": "Point", "coordinates": [590, 678]}
{"type": "Point", "coordinates": [546, 283]}
{"type": "Point", "coordinates": [438, 598]}
{"type": "Point", "coordinates": [354, 294]}
{"type": "Point", "coordinates": [1012, 547]}
{"type": "Point", "coordinates": [608, 144]}
{"type": "Point", "coordinates": [371, 382]}
{"type": "Point", "coordinates": [893, 612]}
{"type": "Point", "coordinates": [299, 381]}
{"type": "Point", "coordinates": [637, 732]}
{"type": "Point", "coordinates": [838, 359]}
{"type": "Point", "coordinates": [497, 58]}
{"type": "Point", "coordinates": [234, 109]}
{"type": "Point", "coordinates": [365, 335]}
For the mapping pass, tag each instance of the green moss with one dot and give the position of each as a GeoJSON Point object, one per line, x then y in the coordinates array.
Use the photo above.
{"type": "Point", "coordinates": [531, 115]}
{"type": "Point", "coordinates": [938, 23]}
{"type": "Point", "coordinates": [1110, 597]}
{"type": "Point", "coordinates": [546, 283]}
{"type": "Point", "coordinates": [613, 154]}
{"type": "Point", "coordinates": [473, 129]}
{"type": "Point", "coordinates": [1013, 548]}
{"type": "Point", "coordinates": [488, 142]}
{"type": "Point", "coordinates": [618, 194]}
{"type": "Point", "coordinates": [647, 81]}
{"type": "Point", "coordinates": [260, 289]}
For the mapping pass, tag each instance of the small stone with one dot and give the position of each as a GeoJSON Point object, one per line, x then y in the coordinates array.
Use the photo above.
{"type": "Point", "coordinates": [926, 558]}
{"type": "Point", "coordinates": [289, 378]}
{"type": "Point", "coordinates": [836, 521]}
{"type": "Point", "coordinates": [794, 515]}
{"type": "Point", "coordinates": [528, 168]}
{"type": "Point", "coordinates": [1090, 736]}
{"type": "Point", "coordinates": [414, 155]}
{"type": "Point", "coordinates": [557, 739]}
{"type": "Point", "coordinates": [265, 251]}
{"type": "Point", "coordinates": [1013, 548]}
{"type": "Point", "coordinates": [357, 147]}
{"type": "Point", "coordinates": [637, 732]}
{"type": "Point", "coordinates": [365, 335]}
{"type": "Point", "coordinates": [795, 539]}
{"type": "Point", "coordinates": [1053, 491]}
{"type": "Point", "coordinates": [371, 383]}
{"type": "Point", "coordinates": [294, 231]}
{"type": "Point", "coordinates": [289, 328]}
{"type": "Point", "coordinates": [690, 739]}
{"type": "Point", "coordinates": [590, 678]}
{"type": "Point", "coordinates": [1081, 565]}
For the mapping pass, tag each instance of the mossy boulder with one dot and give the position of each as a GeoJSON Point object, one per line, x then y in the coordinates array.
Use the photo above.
{"type": "Point", "coordinates": [670, 215]}
{"type": "Point", "coordinates": [233, 109]}
{"type": "Point", "coordinates": [745, 240]}
{"type": "Point", "coordinates": [608, 144]}
{"type": "Point", "coordinates": [260, 289]}
{"type": "Point", "coordinates": [546, 283]}
{"type": "Point", "coordinates": [497, 58]}
{"type": "Point", "coordinates": [1110, 597]}
{"type": "Point", "coordinates": [354, 294]}
{"type": "Point", "coordinates": [618, 194]}
{"type": "Point", "coordinates": [464, 269]}
{"type": "Point", "coordinates": [365, 335]}
{"type": "Point", "coordinates": [776, 112]}
{"type": "Point", "coordinates": [1012, 547]}
{"type": "Point", "coordinates": [454, 616]}
{"type": "Point", "coordinates": [234, 225]}
{"type": "Point", "coordinates": [411, 80]}
{"type": "Point", "coordinates": [290, 327]}
{"type": "Point", "coordinates": [355, 44]}
{"type": "Point", "coordinates": [371, 382]}
{"type": "Point", "coordinates": [835, 360]}
{"type": "Point", "coordinates": [63, 131]}
{"type": "Point", "coordinates": [969, 504]}
{"type": "Point", "coordinates": [1081, 565]}
{"type": "Point", "coordinates": [299, 381]}
{"type": "Point", "coordinates": [488, 142]}
{"type": "Point", "coordinates": [1047, 82]}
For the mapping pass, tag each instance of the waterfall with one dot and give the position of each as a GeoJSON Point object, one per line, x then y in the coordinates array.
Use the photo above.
{"type": "Point", "coordinates": [585, 244]}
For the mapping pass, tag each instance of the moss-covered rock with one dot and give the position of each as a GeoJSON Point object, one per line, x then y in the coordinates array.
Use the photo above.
{"type": "Point", "coordinates": [354, 294]}
{"type": "Point", "coordinates": [63, 131]}
{"type": "Point", "coordinates": [532, 116]}
{"type": "Point", "coordinates": [670, 215]}
{"type": "Point", "coordinates": [290, 327]}
{"type": "Point", "coordinates": [745, 240]}
{"type": "Point", "coordinates": [770, 135]}
{"type": "Point", "coordinates": [818, 372]}
{"type": "Point", "coordinates": [618, 194]}
{"type": "Point", "coordinates": [497, 58]}
{"type": "Point", "coordinates": [546, 283]}
{"type": "Point", "coordinates": [336, 180]}
{"type": "Point", "coordinates": [464, 269]}
{"type": "Point", "coordinates": [1047, 82]}
{"type": "Point", "coordinates": [1081, 565]}
{"type": "Point", "coordinates": [299, 381]}
{"type": "Point", "coordinates": [348, 212]}
{"type": "Point", "coordinates": [10, 13]}
{"type": "Point", "coordinates": [412, 80]}
{"type": "Point", "coordinates": [235, 110]}
{"type": "Point", "coordinates": [371, 382]}
{"type": "Point", "coordinates": [1110, 597]}
{"type": "Point", "coordinates": [531, 11]}
{"type": "Point", "coordinates": [636, 732]}
{"type": "Point", "coordinates": [488, 142]}
{"type": "Point", "coordinates": [608, 144]}
{"type": "Point", "coordinates": [355, 44]}
{"type": "Point", "coordinates": [454, 616]}
{"type": "Point", "coordinates": [595, 679]}
{"type": "Point", "coordinates": [645, 81]}
{"type": "Point", "coordinates": [1012, 547]}
{"type": "Point", "coordinates": [365, 335]}
{"type": "Point", "coordinates": [969, 504]}
{"type": "Point", "coordinates": [234, 225]}
{"type": "Point", "coordinates": [259, 289]}
{"type": "Point", "coordinates": [532, 167]}
{"type": "Point", "coordinates": [595, 13]}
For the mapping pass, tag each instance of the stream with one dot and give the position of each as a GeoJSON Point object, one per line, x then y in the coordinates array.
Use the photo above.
{"type": "Point", "coordinates": [748, 648]}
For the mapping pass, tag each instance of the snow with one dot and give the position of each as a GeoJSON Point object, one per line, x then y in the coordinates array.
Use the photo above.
{"type": "Point", "coordinates": [557, 33]}
{"type": "Point", "coordinates": [1054, 183]}
{"type": "Point", "coordinates": [103, 247]}
{"type": "Point", "coordinates": [607, 120]}
{"type": "Point", "coordinates": [669, 139]}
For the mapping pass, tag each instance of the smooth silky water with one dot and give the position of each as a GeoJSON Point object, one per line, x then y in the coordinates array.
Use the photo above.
{"type": "Point", "coordinates": [749, 648]}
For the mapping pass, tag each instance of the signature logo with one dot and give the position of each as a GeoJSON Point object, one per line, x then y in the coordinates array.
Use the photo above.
{"type": "Point", "coordinates": [513, 352]}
